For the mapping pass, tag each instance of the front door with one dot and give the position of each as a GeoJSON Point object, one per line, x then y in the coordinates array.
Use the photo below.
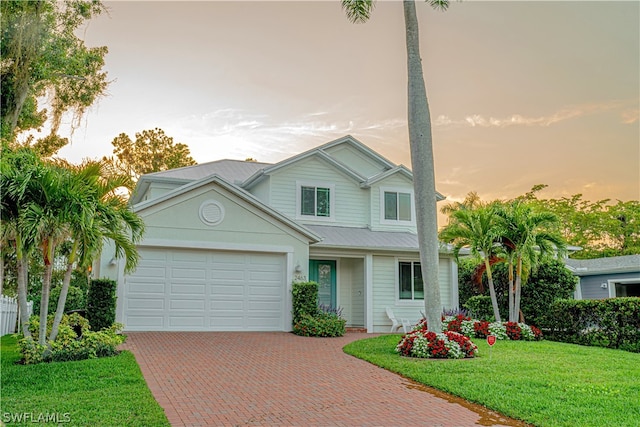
{"type": "Point", "coordinates": [324, 274]}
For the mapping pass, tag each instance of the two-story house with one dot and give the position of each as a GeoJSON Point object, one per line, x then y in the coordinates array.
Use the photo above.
{"type": "Point", "coordinates": [225, 240]}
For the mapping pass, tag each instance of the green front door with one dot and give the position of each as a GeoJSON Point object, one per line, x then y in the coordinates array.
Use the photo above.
{"type": "Point", "coordinates": [324, 274]}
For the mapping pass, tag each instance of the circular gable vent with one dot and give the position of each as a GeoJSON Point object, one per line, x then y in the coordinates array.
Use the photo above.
{"type": "Point", "coordinates": [211, 212]}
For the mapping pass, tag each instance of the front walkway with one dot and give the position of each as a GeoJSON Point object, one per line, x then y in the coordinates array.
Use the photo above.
{"type": "Point", "coordinates": [280, 379]}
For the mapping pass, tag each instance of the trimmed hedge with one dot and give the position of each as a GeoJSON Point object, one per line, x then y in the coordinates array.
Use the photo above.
{"type": "Point", "coordinates": [611, 323]}
{"type": "Point", "coordinates": [480, 307]}
{"type": "Point", "coordinates": [305, 300]}
{"type": "Point", "coordinates": [101, 304]}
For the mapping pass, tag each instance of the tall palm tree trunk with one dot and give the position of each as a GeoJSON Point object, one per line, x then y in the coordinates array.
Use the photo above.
{"type": "Point", "coordinates": [518, 291]}
{"type": "Point", "coordinates": [492, 291]}
{"type": "Point", "coordinates": [511, 290]}
{"type": "Point", "coordinates": [62, 299]}
{"type": "Point", "coordinates": [423, 171]}
{"type": "Point", "coordinates": [44, 303]}
{"type": "Point", "coordinates": [22, 263]}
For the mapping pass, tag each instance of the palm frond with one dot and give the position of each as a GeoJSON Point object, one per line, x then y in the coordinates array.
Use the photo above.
{"type": "Point", "coordinates": [358, 11]}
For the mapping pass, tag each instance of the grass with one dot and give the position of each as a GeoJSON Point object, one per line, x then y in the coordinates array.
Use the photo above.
{"type": "Point", "coordinates": [109, 391]}
{"type": "Point", "coordinates": [544, 383]}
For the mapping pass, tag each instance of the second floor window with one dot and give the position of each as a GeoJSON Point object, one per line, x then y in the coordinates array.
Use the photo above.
{"type": "Point", "coordinates": [397, 206]}
{"type": "Point", "coordinates": [315, 201]}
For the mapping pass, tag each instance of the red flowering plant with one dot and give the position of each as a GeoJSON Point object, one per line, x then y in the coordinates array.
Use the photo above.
{"type": "Point", "coordinates": [481, 329]}
{"type": "Point", "coordinates": [454, 323]}
{"type": "Point", "coordinates": [514, 332]}
{"type": "Point", "coordinates": [422, 343]}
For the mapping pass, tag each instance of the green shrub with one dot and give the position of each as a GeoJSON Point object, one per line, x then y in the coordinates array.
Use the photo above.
{"type": "Point", "coordinates": [323, 324]}
{"type": "Point", "coordinates": [612, 323]}
{"type": "Point", "coordinates": [480, 307]}
{"type": "Point", "coordinates": [76, 322]}
{"type": "Point", "coordinates": [31, 351]}
{"type": "Point", "coordinates": [74, 341]}
{"type": "Point", "coordinates": [549, 282]}
{"type": "Point", "coordinates": [101, 304]}
{"type": "Point", "coordinates": [305, 300]}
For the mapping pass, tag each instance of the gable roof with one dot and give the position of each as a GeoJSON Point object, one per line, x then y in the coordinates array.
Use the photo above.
{"type": "Point", "coordinates": [322, 154]}
{"type": "Point", "coordinates": [230, 170]}
{"type": "Point", "coordinates": [399, 170]}
{"type": "Point", "coordinates": [610, 265]}
{"type": "Point", "coordinates": [238, 192]}
{"type": "Point", "coordinates": [246, 174]}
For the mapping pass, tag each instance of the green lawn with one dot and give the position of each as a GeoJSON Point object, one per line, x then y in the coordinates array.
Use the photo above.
{"type": "Point", "coordinates": [544, 383]}
{"type": "Point", "coordinates": [101, 392]}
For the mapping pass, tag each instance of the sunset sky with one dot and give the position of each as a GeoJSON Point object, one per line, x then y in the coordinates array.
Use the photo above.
{"type": "Point", "coordinates": [521, 93]}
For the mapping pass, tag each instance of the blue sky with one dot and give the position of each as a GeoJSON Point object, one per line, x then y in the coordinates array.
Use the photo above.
{"type": "Point", "coordinates": [521, 93]}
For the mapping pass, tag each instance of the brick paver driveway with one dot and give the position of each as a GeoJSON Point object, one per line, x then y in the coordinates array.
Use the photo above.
{"type": "Point", "coordinates": [280, 379]}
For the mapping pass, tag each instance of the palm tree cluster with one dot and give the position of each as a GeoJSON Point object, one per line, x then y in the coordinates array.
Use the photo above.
{"type": "Point", "coordinates": [49, 202]}
{"type": "Point", "coordinates": [512, 232]}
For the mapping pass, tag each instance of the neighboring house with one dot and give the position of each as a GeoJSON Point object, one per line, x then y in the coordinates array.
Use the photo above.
{"type": "Point", "coordinates": [225, 240]}
{"type": "Point", "coordinates": [606, 277]}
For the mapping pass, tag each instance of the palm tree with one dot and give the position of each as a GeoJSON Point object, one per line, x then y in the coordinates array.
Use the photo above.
{"type": "Point", "coordinates": [420, 141]}
{"type": "Point", "coordinates": [18, 171]}
{"type": "Point", "coordinates": [97, 213]}
{"type": "Point", "coordinates": [476, 229]}
{"type": "Point", "coordinates": [526, 239]}
{"type": "Point", "coordinates": [46, 224]}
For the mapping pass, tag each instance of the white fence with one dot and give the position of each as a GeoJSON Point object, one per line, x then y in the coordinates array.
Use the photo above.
{"type": "Point", "coordinates": [9, 314]}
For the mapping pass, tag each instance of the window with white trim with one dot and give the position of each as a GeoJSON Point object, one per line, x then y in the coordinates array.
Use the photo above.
{"type": "Point", "coordinates": [315, 201]}
{"type": "Point", "coordinates": [410, 284]}
{"type": "Point", "coordinates": [396, 206]}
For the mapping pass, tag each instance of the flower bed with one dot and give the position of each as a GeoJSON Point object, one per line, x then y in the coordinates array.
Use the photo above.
{"type": "Point", "coordinates": [445, 345]}
{"type": "Point", "coordinates": [481, 329]}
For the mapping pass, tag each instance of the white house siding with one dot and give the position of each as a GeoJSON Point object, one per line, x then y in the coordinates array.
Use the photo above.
{"type": "Point", "coordinates": [157, 189]}
{"type": "Point", "coordinates": [395, 182]}
{"type": "Point", "coordinates": [356, 160]}
{"type": "Point", "coordinates": [351, 202]}
{"type": "Point", "coordinates": [385, 293]}
{"type": "Point", "coordinates": [262, 190]}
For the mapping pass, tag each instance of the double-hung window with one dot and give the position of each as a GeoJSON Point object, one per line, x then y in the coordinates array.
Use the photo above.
{"type": "Point", "coordinates": [410, 282]}
{"type": "Point", "coordinates": [315, 201]}
{"type": "Point", "coordinates": [397, 206]}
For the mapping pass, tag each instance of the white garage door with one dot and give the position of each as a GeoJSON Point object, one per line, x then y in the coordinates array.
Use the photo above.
{"type": "Point", "coordinates": [200, 290]}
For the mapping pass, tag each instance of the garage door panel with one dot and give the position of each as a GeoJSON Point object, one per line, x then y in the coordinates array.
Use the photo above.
{"type": "Point", "coordinates": [189, 322]}
{"type": "Point", "coordinates": [186, 304]}
{"type": "Point", "coordinates": [148, 272]}
{"type": "Point", "coordinates": [257, 291]}
{"type": "Point", "coordinates": [145, 304]}
{"type": "Point", "coordinates": [189, 273]}
{"type": "Point", "coordinates": [146, 288]}
{"type": "Point", "coordinates": [185, 289]}
{"type": "Point", "coordinates": [226, 305]}
{"type": "Point", "coordinates": [256, 306]}
{"type": "Point", "coordinates": [227, 291]}
{"type": "Point", "coordinates": [145, 322]}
